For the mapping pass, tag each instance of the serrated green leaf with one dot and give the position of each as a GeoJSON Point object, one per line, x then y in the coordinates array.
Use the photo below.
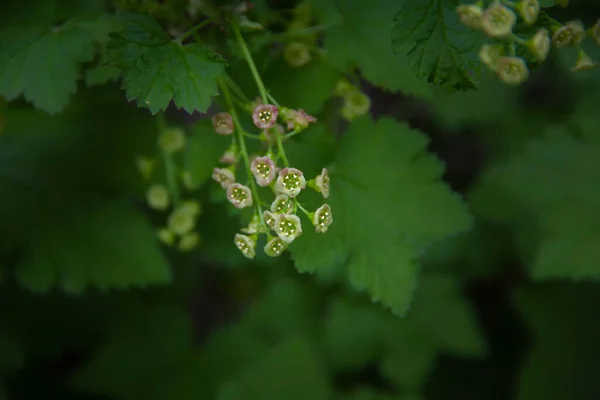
{"type": "Point", "coordinates": [439, 48]}
{"type": "Point", "coordinates": [42, 64]}
{"type": "Point", "coordinates": [565, 354]}
{"type": "Point", "coordinates": [363, 38]}
{"type": "Point", "coordinates": [157, 70]}
{"type": "Point", "coordinates": [554, 184]}
{"type": "Point", "coordinates": [103, 245]}
{"type": "Point", "coordinates": [388, 204]}
{"type": "Point", "coordinates": [290, 370]}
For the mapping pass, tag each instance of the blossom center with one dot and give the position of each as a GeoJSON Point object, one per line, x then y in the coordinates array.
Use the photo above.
{"type": "Point", "coordinates": [265, 115]}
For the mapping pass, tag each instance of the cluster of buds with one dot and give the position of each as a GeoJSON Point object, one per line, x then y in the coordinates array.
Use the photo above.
{"type": "Point", "coordinates": [181, 217]}
{"type": "Point", "coordinates": [498, 20]}
{"type": "Point", "coordinates": [355, 102]}
{"type": "Point", "coordinates": [280, 222]}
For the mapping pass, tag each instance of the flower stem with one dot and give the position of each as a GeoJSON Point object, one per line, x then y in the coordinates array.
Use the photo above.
{"type": "Point", "coordinates": [193, 30]}
{"type": "Point", "coordinates": [261, 86]}
{"type": "Point", "coordinates": [304, 210]}
{"type": "Point", "coordinates": [243, 149]}
{"type": "Point", "coordinates": [170, 169]}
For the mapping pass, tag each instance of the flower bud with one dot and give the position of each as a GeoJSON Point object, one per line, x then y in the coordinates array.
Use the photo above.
{"type": "Point", "coordinates": [322, 218]}
{"type": "Point", "coordinates": [275, 247]}
{"type": "Point", "coordinates": [570, 34]}
{"type": "Point", "coordinates": [189, 241]}
{"type": "Point", "coordinates": [229, 157]}
{"type": "Point", "coordinates": [357, 103]}
{"type": "Point", "coordinates": [263, 169]}
{"type": "Point", "coordinates": [255, 226]}
{"type": "Point", "coordinates": [181, 222]}
{"type": "Point", "coordinates": [269, 219]}
{"type": "Point", "coordinates": [265, 116]}
{"type": "Point", "coordinates": [297, 119]}
{"type": "Point", "coordinates": [145, 166]}
{"type": "Point", "coordinates": [583, 62]}
{"type": "Point", "coordinates": [322, 183]}
{"type": "Point", "coordinates": [498, 20]}
{"type": "Point", "coordinates": [470, 15]}
{"type": "Point", "coordinates": [224, 177]}
{"type": "Point", "coordinates": [489, 54]}
{"type": "Point", "coordinates": [246, 245]}
{"type": "Point", "coordinates": [539, 44]}
{"type": "Point", "coordinates": [290, 182]}
{"type": "Point", "coordinates": [158, 197]}
{"type": "Point", "coordinates": [191, 207]}
{"type": "Point", "coordinates": [239, 195]}
{"type": "Point", "coordinates": [223, 123]}
{"type": "Point", "coordinates": [288, 227]}
{"type": "Point", "coordinates": [343, 87]}
{"type": "Point", "coordinates": [171, 140]}
{"type": "Point", "coordinates": [297, 54]}
{"type": "Point", "coordinates": [512, 70]}
{"type": "Point", "coordinates": [529, 10]}
{"type": "Point", "coordinates": [166, 236]}
{"type": "Point", "coordinates": [282, 205]}
{"type": "Point", "coordinates": [270, 134]}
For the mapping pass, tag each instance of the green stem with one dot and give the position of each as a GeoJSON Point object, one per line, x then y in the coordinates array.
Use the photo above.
{"type": "Point", "coordinates": [272, 99]}
{"type": "Point", "coordinates": [243, 149]}
{"type": "Point", "coordinates": [291, 134]}
{"type": "Point", "coordinates": [259, 83]}
{"type": "Point", "coordinates": [236, 88]}
{"type": "Point", "coordinates": [304, 210]}
{"type": "Point", "coordinates": [193, 30]}
{"type": "Point", "coordinates": [170, 169]}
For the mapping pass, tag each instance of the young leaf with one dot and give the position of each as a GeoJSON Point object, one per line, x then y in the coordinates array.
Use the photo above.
{"type": "Point", "coordinates": [363, 37]}
{"type": "Point", "coordinates": [388, 204]}
{"type": "Point", "coordinates": [42, 63]}
{"type": "Point", "coordinates": [105, 246]}
{"type": "Point", "coordinates": [439, 48]}
{"type": "Point", "coordinates": [157, 69]}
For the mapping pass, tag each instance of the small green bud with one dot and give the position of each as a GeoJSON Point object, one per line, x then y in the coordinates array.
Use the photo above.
{"type": "Point", "coordinates": [158, 197]}
{"type": "Point", "coordinates": [470, 15]}
{"type": "Point", "coordinates": [584, 62]}
{"type": "Point", "coordinates": [343, 87]}
{"type": "Point", "coordinates": [192, 207]}
{"type": "Point", "coordinates": [498, 20]}
{"type": "Point", "coordinates": [145, 166]}
{"type": "Point", "coordinates": [181, 222]}
{"type": "Point", "coordinates": [570, 34]}
{"type": "Point", "coordinates": [489, 54]}
{"type": "Point", "coordinates": [539, 44]}
{"type": "Point", "coordinates": [512, 70]}
{"type": "Point", "coordinates": [297, 54]}
{"type": "Point", "coordinates": [357, 103]}
{"type": "Point", "coordinates": [189, 241]}
{"type": "Point", "coordinates": [529, 10]}
{"type": "Point", "coordinates": [171, 140]}
{"type": "Point", "coordinates": [166, 236]}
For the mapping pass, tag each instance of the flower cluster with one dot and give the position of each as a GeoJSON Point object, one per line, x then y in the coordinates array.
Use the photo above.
{"type": "Point", "coordinates": [355, 102]}
{"type": "Point", "coordinates": [181, 220]}
{"type": "Point", "coordinates": [279, 222]}
{"type": "Point", "coordinates": [498, 21]}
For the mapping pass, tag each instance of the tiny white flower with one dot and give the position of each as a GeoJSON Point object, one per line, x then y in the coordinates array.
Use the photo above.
{"type": "Point", "coordinates": [158, 197]}
{"type": "Point", "coordinates": [265, 115]}
{"type": "Point", "coordinates": [323, 183]}
{"type": "Point", "coordinates": [282, 205]}
{"type": "Point", "coordinates": [223, 123]}
{"type": "Point", "coordinates": [239, 195]}
{"type": "Point", "coordinates": [224, 177]}
{"type": "Point", "coordinates": [322, 218]}
{"type": "Point", "coordinates": [288, 227]}
{"type": "Point", "coordinates": [246, 245]}
{"type": "Point", "coordinates": [181, 222]}
{"type": "Point", "coordinates": [269, 219]}
{"type": "Point", "coordinates": [290, 181]}
{"type": "Point", "coordinates": [263, 169]}
{"type": "Point", "coordinates": [275, 247]}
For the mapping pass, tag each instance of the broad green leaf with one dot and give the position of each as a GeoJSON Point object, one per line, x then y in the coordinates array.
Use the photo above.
{"type": "Point", "coordinates": [388, 204]}
{"type": "Point", "coordinates": [104, 245]}
{"type": "Point", "coordinates": [363, 39]}
{"type": "Point", "coordinates": [290, 370]}
{"type": "Point", "coordinates": [42, 63]}
{"type": "Point", "coordinates": [564, 357]}
{"type": "Point", "coordinates": [439, 48]}
{"type": "Point", "coordinates": [157, 69]}
{"type": "Point", "coordinates": [555, 185]}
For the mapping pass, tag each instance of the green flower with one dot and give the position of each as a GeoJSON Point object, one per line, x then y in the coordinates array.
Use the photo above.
{"type": "Point", "coordinates": [570, 34]}
{"type": "Point", "coordinates": [297, 54]}
{"type": "Point", "coordinates": [158, 197]}
{"type": "Point", "coordinates": [288, 227]}
{"type": "Point", "coordinates": [489, 54]}
{"type": "Point", "coordinates": [539, 45]}
{"type": "Point", "coordinates": [275, 247]}
{"type": "Point", "coordinates": [246, 244]}
{"type": "Point", "coordinates": [498, 20]}
{"type": "Point", "coordinates": [171, 140]}
{"type": "Point", "coordinates": [322, 218]}
{"type": "Point", "coordinates": [512, 70]}
{"type": "Point", "coordinates": [166, 236]}
{"type": "Point", "coordinates": [470, 15]}
{"type": "Point", "coordinates": [239, 195]}
{"type": "Point", "coordinates": [189, 241]}
{"type": "Point", "coordinates": [181, 222]}
{"type": "Point", "coordinates": [529, 10]}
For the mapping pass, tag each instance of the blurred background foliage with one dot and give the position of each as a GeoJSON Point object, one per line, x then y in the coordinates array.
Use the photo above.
{"type": "Point", "coordinates": [92, 307]}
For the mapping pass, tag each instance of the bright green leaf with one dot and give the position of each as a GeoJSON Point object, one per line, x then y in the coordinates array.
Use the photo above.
{"type": "Point", "coordinates": [42, 64]}
{"type": "Point", "coordinates": [105, 246]}
{"type": "Point", "coordinates": [440, 49]}
{"type": "Point", "coordinates": [388, 204]}
{"type": "Point", "coordinates": [157, 69]}
{"type": "Point", "coordinates": [363, 38]}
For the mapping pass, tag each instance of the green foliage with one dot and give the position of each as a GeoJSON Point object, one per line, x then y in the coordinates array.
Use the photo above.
{"type": "Point", "coordinates": [458, 259]}
{"type": "Point", "coordinates": [157, 69]}
{"type": "Point", "coordinates": [439, 48]}
{"type": "Point", "coordinates": [373, 161]}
